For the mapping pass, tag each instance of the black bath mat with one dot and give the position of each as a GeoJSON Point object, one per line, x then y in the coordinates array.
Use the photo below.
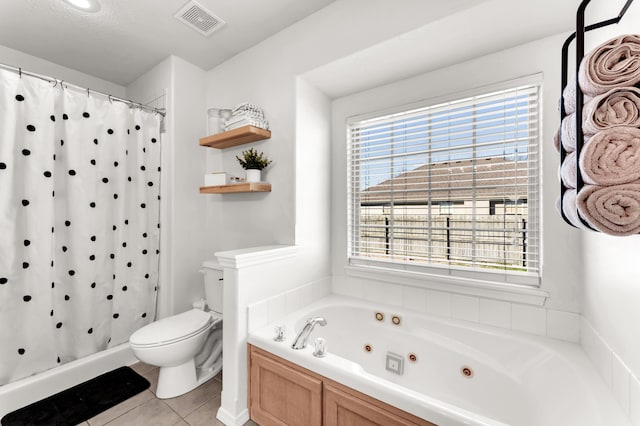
{"type": "Point", "coordinates": [81, 402]}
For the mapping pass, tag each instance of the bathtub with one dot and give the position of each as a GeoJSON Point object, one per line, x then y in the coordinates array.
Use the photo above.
{"type": "Point", "coordinates": [34, 388]}
{"type": "Point", "coordinates": [464, 373]}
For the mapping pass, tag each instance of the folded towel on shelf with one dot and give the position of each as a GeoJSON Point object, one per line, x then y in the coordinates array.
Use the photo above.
{"type": "Point", "coordinates": [615, 63]}
{"type": "Point", "coordinates": [570, 208]}
{"type": "Point", "coordinates": [614, 210]}
{"type": "Point", "coordinates": [263, 124]}
{"type": "Point", "coordinates": [246, 114]}
{"type": "Point", "coordinates": [568, 170]}
{"type": "Point", "coordinates": [241, 117]}
{"type": "Point", "coordinates": [247, 107]}
{"type": "Point", "coordinates": [610, 157]}
{"type": "Point", "coordinates": [259, 122]}
{"type": "Point", "coordinates": [617, 107]}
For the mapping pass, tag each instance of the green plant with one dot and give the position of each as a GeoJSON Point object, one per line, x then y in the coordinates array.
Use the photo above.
{"type": "Point", "coordinates": [252, 160]}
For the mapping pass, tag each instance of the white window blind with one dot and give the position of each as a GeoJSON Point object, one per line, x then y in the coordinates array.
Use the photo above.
{"type": "Point", "coordinates": [452, 185]}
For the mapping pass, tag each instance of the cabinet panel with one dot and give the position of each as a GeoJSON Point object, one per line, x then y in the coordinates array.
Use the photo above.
{"type": "Point", "coordinates": [281, 395]}
{"type": "Point", "coordinates": [344, 407]}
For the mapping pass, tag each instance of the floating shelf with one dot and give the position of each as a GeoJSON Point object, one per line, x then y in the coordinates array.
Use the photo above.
{"type": "Point", "coordinates": [235, 137]}
{"type": "Point", "coordinates": [236, 188]}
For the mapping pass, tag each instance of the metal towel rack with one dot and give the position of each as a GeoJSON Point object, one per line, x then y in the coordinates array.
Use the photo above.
{"type": "Point", "coordinates": [579, 36]}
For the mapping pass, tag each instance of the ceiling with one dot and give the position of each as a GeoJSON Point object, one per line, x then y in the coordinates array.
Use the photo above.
{"type": "Point", "coordinates": [475, 30]}
{"type": "Point", "coordinates": [128, 37]}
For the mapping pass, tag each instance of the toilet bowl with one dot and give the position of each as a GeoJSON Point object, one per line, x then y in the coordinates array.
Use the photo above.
{"type": "Point", "coordinates": [172, 344]}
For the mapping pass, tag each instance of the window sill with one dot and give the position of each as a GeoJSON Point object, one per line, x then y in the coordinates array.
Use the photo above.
{"type": "Point", "coordinates": [481, 288]}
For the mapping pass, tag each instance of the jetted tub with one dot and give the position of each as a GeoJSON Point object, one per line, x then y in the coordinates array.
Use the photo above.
{"type": "Point", "coordinates": [464, 373]}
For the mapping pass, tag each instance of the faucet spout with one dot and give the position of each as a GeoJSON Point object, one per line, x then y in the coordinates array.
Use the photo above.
{"type": "Point", "coordinates": [300, 341]}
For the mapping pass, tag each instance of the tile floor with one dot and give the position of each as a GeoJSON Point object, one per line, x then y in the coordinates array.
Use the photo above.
{"type": "Point", "coordinates": [196, 408]}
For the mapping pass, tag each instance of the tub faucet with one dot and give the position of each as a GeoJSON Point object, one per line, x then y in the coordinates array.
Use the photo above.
{"type": "Point", "coordinates": [300, 341]}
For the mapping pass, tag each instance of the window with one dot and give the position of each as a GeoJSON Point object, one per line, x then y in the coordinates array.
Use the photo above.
{"type": "Point", "coordinates": [453, 186]}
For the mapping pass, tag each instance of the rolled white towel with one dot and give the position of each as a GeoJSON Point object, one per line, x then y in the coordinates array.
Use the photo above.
{"type": "Point", "coordinates": [570, 208]}
{"type": "Point", "coordinates": [569, 96]}
{"type": "Point", "coordinates": [568, 170]}
{"type": "Point", "coordinates": [568, 133]}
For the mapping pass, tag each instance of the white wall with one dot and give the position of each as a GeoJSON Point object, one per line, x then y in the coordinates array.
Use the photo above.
{"type": "Point", "coordinates": [183, 244]}
{"type": "Point", "coordinates": [470, 33]}
{"type": "Point", "coordinates": [313, 177]}
{"type": "Point", "coordinates": [37, 65]}
{"type": "Point", "coordinates": [265, 75]}
{"type": "Point", "coordinates": [612, 272]}
{"type": "Point", "coordinates": [189, 241]}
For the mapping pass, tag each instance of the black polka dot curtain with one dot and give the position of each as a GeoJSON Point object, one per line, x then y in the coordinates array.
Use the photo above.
{"type": "Point", "coordinates": [79, 223]}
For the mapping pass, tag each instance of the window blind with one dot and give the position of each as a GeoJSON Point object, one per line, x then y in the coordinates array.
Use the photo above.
{"type": "Point", "coordinates": [452, 185]}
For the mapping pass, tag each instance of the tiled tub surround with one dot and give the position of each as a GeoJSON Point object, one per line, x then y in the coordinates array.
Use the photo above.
{"type": "Point", "coordinates": [269, 310]}
{"type": "Point", "coordinates": [510, 315]}
{"type": "Point", "coordinates": [624, 385]}
{"type": "Point", "coordinates": [519, 378]}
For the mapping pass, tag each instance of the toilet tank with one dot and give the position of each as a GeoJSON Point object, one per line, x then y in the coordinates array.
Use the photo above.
{"type": "Point", "coordinates": [213, 285]}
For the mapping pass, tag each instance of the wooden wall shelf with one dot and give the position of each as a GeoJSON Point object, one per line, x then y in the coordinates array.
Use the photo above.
{"type": "Point", "coordinates": [236, 188]}
{"type": "Point", "coordinates": [235, 137]}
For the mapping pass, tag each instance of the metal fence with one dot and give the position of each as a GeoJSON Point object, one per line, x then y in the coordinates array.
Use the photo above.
{"type": "Point", "coordinates": [494, 242]}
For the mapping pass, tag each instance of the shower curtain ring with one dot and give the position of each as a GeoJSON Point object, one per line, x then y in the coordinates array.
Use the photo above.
{"type": "Point", "coordinates": [109, 97]}
{"type": "Point", "coordinates": [87, 92]}
{"type": "Point", "coordinates": [62, 84]}
{"type": "Point", "coordinates": [20, 72]}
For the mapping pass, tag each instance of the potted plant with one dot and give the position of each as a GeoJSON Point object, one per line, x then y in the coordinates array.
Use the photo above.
{"type": "Point", "coordinates": [253, 162]}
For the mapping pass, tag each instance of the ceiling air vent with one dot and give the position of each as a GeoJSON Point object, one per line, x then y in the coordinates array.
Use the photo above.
{"type": "Point", "coordinates": [198, 18]}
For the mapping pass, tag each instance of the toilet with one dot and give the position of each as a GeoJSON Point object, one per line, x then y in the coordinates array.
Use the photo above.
{"type": "Point", "coordinates": [188, 346]}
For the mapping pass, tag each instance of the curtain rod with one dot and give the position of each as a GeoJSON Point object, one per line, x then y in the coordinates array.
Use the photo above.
{"type": "Point", "coordinates": [63, 84]}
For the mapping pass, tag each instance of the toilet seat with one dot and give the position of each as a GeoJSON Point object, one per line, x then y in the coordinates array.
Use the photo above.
{"type": "Point", "coordinates": [172, 329]}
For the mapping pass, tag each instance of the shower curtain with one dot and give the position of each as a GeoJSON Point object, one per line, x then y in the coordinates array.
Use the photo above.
{"type": "Point", "coordinates": [79, 223]}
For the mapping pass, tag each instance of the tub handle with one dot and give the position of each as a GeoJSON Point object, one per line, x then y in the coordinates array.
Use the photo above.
{"type": "Point", "coordinates": [320, 347]}
{"type": "Point", "coordinates": [279, 333]}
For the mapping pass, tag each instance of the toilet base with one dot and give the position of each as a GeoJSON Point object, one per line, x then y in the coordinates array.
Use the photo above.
{"type": "Point", "coordinates": [178, 380]}
{"type": "Point", "coordinates": [175, 381]}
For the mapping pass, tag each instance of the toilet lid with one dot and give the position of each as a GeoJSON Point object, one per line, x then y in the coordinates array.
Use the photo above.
{"type": "Point", "coordinates": [176, 327]}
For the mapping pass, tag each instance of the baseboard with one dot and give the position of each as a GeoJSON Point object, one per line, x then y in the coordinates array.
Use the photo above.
{"type": "Point", "coordinates": [230, 420]}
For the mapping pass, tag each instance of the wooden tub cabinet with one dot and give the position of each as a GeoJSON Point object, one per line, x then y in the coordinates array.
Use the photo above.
{"type": "Point", "coordinates": [284, 394]}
